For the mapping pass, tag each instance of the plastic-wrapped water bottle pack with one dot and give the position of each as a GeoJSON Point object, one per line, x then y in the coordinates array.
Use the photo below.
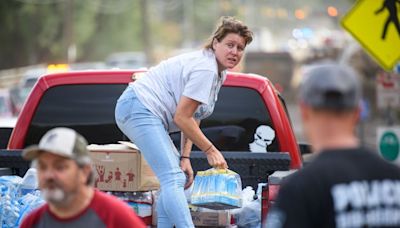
{"type": "Point", "coordinates": [217, 189]}
{"type": "Point", "coordinates": [18, 196]}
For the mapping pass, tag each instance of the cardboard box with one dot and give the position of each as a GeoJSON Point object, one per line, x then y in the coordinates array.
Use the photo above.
{"type": "Point", "coordinates": [121, 167]}
{"type": "Point", "coordinates": [211, 218]}
{"type": "Point", "coordinates": [200, 219]}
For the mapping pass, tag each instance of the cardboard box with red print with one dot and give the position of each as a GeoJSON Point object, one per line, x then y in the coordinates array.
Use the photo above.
{"type": "Point", "coordinates": [121, 167]}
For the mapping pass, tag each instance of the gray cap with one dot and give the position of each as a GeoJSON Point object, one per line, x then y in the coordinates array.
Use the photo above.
{"type": "Point", "coordinates": [330, 86]}
{"type": "Point", "coordinates": [61, 141]}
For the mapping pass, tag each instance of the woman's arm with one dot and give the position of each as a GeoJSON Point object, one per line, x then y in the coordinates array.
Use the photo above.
{"type": "Point", "coordinates": [186, 166]}
{"type": "Point", "coordinates": [186, 143]}
{"type": "Point", "coordinates": [184, 120]}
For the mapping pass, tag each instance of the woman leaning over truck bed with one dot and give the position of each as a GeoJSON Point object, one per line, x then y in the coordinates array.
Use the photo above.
{"type": "Point", "coordinates": [174, 96]}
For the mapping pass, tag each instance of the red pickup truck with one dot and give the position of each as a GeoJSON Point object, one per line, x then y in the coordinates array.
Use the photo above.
{"type": "Point", "coordinates": [250, 116]}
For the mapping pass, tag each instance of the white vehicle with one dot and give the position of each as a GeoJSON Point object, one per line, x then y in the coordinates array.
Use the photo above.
{"type": "Point", "coordinates": [6, 106]}
{"type": "Point", "coordinates": [127, 60]}
{"type": "Point", "coordinates": [7, 117]}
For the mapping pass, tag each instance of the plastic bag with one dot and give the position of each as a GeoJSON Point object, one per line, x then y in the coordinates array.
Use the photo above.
{"type": "Point", "coordinates": [140, 202]}
{"type": "Point", "coordinates": [217, 189]}
{"type": "Point", "coordinates": [249, 215]}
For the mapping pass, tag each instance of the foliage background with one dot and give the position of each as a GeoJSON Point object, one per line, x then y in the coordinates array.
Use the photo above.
{"type": "Point", "coordinates": [41, 31]}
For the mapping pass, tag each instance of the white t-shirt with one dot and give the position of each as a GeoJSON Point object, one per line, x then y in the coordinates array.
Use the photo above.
{"type": "Point", "coordinates": [194, 75]}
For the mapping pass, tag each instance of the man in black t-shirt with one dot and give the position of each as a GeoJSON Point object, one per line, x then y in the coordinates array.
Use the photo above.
{"type": "Point", "coordinates": [346, 185]}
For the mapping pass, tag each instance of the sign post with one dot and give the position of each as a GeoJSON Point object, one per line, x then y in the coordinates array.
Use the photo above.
{"type": "Point", "coordinates": [388, 91]}
{"type": "Point", "coordinates": [375, 25]}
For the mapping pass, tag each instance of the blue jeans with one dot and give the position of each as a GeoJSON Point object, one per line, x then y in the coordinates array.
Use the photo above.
{"type": "Point", "coordinates": [147, 131]}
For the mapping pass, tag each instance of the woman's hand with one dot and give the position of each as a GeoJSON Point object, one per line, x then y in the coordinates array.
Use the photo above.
{"type": "Point", "coordinates": [215, 158]}
{"type": "Point", "coordinates": [186, 167]}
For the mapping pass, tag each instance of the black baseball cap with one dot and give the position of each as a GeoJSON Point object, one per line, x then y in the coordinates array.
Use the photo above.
{"type": "Point", "coordinates": [330, 86]}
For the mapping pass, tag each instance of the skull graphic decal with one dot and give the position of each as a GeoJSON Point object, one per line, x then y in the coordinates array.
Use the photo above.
{"type": "Point", "coordinates": [263, 137]}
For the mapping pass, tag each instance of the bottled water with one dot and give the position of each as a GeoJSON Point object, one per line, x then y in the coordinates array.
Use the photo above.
{"type": "Point", "coordinates": [8, 207]}
{"type": "Point", "coordinates": [188, 193]}
{"type": "Point", "coordinates": [10, 212]}
{"type": "Point", "coordinates": [197, 187]}
{"type": "Point", "coordinates": [27, 203]}
{"type": "Point", "coordinates": [217, 189]}
{"type": "Point", "coordinates": [29, 182]}
{"type": "Point", "coordinates": [18, 197]}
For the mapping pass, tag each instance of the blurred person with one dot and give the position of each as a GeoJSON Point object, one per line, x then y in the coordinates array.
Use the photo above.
{"type": "Point", "coordinates": [174, 96]}
{"type": "Point", "coordinates": [65, 179]}
{"type": "Point", "coordinates": [346, 184]}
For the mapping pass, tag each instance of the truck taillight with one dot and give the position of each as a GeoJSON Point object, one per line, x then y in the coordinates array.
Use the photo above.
{"type": "Point", "coordinates": [264, 203]}
{"type": "Point", "coordinates": [268, 196]}
{"type": "Point", "coordinates": [273, 192]}
{"type": "Point", "coordinates": [270, 191]}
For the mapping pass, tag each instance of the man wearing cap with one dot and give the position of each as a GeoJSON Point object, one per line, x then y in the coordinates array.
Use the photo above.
{"type": "Point", "coordinates": [65, 179]}
{"type": "Point", "coordinates": [346, 184]}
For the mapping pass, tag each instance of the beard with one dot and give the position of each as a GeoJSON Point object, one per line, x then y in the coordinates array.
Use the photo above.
{"type": "Point", "coordinates": [54, 196]}
{"type": "Point", "coordinates": [54, 193]}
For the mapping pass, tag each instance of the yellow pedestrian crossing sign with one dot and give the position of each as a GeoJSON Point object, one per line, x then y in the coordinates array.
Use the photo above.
{"type": "Point", "coordinates": [375, 24]}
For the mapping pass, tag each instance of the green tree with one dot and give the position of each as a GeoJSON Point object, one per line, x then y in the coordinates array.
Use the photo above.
{"type": "Point", "coordinates": [41, 31]}
{"type": "Point", "coordinates": [114, 29]}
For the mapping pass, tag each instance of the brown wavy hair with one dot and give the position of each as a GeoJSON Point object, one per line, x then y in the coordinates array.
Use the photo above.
{"type": "Point", "coordinates": [229, 25]}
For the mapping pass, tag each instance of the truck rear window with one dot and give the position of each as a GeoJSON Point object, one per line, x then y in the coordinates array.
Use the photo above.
{"type": "Point", "coordinates": [89, 109]}
{"type": "Point", "coordinates": [233, 125]}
